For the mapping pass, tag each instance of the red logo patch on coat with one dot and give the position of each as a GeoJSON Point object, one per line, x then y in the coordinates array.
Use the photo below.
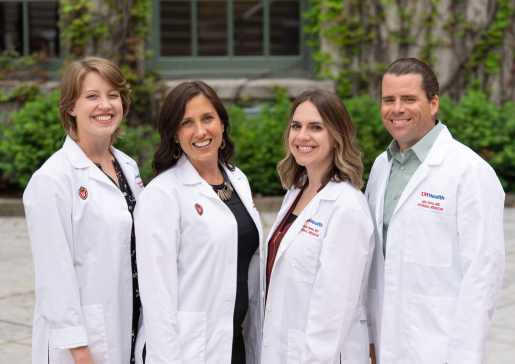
{"type": "Point", "coordinates": [199, 209]}
{"type": "Point", "coordinates": [83, 193]}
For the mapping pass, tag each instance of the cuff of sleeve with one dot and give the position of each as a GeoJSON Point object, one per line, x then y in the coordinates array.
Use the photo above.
{"type": "Point", "coordinates": [463, 357]}
{"type": "Point", "coordinates": [71, 337]}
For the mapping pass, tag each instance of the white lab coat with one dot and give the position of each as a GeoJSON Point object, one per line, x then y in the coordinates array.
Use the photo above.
{"type": "Point", "coordinates": [187, 261]}
{"type": "Point", "coordinates": [81, 251]}
{"type": "Point", "coordinates": [434, 299]}
{"type": "Point", "coordinates": [315, 309]}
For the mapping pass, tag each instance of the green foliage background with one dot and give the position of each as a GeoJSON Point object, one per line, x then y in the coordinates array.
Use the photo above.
{"type": "Point", "coordinates": [34, 133]}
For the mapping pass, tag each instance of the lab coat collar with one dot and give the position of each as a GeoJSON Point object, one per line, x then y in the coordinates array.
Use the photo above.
{"type": "Point", "coordinates": [190, 176]}
{"type": "Point", "coordinates": [75, 155]}
{"type": "Point", "coordinates": [79, 160]}
{"type": "Point", "coordinates": [330, 192]}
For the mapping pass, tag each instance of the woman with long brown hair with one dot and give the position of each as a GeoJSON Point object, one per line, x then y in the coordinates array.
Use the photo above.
{"type": "Point", "coordinates": [198, 239]}
{"type": "Point", "coordinates": [320, 248]}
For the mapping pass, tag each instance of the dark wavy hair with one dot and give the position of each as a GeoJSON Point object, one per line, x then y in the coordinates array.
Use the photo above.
{"type": "Point", "coordinates": [170, 118]}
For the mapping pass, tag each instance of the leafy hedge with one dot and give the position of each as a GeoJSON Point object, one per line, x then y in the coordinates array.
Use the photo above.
{"type": "Point", "coordinates": [34, 133]}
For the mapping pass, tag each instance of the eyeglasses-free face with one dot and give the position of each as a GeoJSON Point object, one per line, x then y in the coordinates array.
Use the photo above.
{"type": "Point", "coordinates": [98, 110]}
{"type": "Point", "coordinates": [310, 141]}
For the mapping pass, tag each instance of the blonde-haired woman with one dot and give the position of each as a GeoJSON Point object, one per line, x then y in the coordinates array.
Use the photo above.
{"type": "Point", "coordinates": [319, 250]}
{"type": "Point", "coordinates": [79, 207]}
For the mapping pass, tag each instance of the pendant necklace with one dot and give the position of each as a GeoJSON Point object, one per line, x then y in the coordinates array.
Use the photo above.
{"type": "Point", "coordinates": [225, 193]}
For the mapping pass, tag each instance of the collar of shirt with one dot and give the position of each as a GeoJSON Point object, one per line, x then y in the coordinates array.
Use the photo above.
{"type": "Point", "coordinates": [419, 150]}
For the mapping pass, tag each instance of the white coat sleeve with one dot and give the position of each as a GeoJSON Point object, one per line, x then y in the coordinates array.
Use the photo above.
{"type": "Point", "coordinates": [481, 243]}
{"type": "Point", "coordinates": [48, 208]}
{"type": "Point", "coordinates": [156, 219]}
{"type": "Point", "coordinates": [337, 287]}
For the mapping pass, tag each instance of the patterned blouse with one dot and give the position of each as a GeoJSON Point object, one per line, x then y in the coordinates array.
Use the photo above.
{"type": "Point", "coordinates": [131, 204]}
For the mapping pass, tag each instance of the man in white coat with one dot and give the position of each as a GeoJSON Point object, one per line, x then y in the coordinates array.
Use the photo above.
{"type": "Point", "coordinates": [437, 208]}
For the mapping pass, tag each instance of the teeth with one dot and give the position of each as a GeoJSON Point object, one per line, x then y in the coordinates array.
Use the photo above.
{"type": "Point", "coordinates": [399, 121]}
{"type": "Point", "coordinates": [103, 118]}
{"type": "Point", "coordinates": [305, 148]}
{"type": "Point", "coordinates": [203, 144]}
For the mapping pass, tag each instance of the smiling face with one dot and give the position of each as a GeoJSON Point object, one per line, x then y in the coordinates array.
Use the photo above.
{"type": "Point", "coordinates": [405, 110]}
{"type": "Point", "coordinates": [309, 140]}
{"type": "Point", "coordinates": [98, 109]}
{"type": "Point", "coordinates": [200, 131]}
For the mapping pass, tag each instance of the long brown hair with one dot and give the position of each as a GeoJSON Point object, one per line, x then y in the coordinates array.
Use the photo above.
{"type": "Point", "coordinates": [170, 118]}
{"type": "Point", "coordinates": [347, 164]}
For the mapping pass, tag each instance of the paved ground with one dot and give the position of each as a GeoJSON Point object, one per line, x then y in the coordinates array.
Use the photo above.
{"type": "Point", "coordinates": [17, 294]}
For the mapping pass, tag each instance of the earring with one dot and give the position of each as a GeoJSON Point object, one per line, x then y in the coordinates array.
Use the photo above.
{"type": "Point", "coordinates": [223, 144]}
{"type": "Point", "coordinates": [178, 154]}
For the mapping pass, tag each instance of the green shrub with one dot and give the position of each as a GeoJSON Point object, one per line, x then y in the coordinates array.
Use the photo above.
{"type": "Point", "coordinates": [140, 144]}
{"type": "Point", "coordinates": [30, 138]}
{"type": "Point", "coordinates": [259, 145]}
{"type": "Point", "coordinates": [486, 128]}
{"type": "Point", "coordinates": [35, 132]}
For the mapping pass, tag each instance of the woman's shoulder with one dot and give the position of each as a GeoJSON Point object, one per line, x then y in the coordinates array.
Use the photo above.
{"type": "Point", "coordinates": [166, 180]}
{"type": "Point", "coordinates": [57, 165]}
{"type": "Point", "coordinates": [55, 173]}
{"type": "Point", "coordinates": [350, 196]}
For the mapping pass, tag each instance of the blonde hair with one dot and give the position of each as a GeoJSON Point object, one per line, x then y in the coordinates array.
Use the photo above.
{"type": "Point", "coordinates": [347, 164]}
{"type": "Point", "coordinates": [71, 86]}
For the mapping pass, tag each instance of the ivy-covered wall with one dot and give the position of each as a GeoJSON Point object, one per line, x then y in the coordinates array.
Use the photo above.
{"type": "Point", "coordinates": [469, 43]}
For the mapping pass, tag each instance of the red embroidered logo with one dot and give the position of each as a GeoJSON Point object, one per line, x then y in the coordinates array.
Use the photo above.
{"type": "Point", "coordinates": [83, 193]}
{"type": "Point", "coordinates": [199, 209]}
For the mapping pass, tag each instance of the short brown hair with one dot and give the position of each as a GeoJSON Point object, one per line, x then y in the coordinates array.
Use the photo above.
{"type": "Point", "coordinates": [407, 66]}
{"type": "Point", "coordinates": [170, 117]}
{"type": "Point", "coordinates": [71, 86]}
{"type": "Point", "coordinates": [347, 164]}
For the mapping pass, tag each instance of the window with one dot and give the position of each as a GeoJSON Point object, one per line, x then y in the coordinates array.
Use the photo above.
{"type": "Point", "coordinates": [29, 26]}
{"type": "Point", "coordinates": [229, 38]}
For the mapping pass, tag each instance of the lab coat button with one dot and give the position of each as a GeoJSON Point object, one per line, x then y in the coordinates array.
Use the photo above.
{"type": "Point", "coordinates": [263, 293]}
{"type": "Point", "coordinates": [402, 167]}
{"type": "Point", "coordinates": [268, 307]}
{"type": "Point", "coordinates": [265, 343]}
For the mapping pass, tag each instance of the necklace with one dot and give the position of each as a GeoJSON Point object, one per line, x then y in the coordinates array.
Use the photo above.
{"type": "Point", "coordinates": [226, 192]}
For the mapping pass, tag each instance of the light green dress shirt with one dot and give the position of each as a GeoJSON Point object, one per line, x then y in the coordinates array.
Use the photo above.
{"type": "Point", "coordinates": [402, 171]}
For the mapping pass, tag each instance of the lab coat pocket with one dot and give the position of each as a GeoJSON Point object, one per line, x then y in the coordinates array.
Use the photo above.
{"type": "Point", "coordinates": [191, 330]}
{"type": "Point", "coordinates": [301, 259]}
{"type": "Point", "coordinates": [296, 343]}
{"type": "Point", "coordinates": [430, 323]}
{"type": "Point", "coordinates": [93, 316]}
{"type": "Point", "coordinates": [429, 239]}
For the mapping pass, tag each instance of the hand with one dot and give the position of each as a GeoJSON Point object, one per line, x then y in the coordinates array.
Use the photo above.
{"type": "Point", "coordinates": [372, 354]}
{"type": "Point", "coordinates": [82, 355]}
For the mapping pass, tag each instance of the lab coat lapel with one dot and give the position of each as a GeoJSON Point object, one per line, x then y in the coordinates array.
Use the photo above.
{"type": "Point", "coordinates": [79, 160]}
{"type": "Point", "coordinates": [190, 176]}
{"type": "Point", "coordinates": [296, 227]}
{"type": "Point", "coordinates": [291, 196]}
